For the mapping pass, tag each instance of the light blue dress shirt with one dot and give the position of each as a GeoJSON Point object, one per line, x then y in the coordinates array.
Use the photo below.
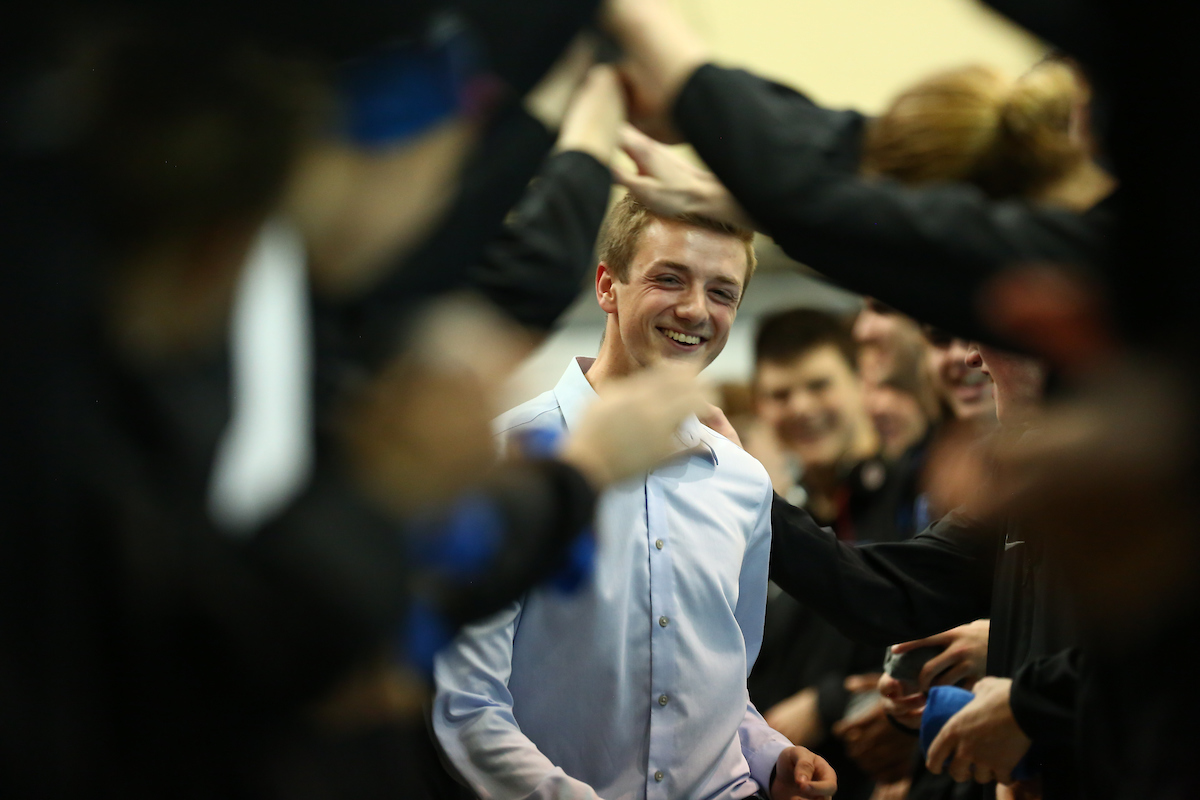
{"type": "Point", "coordinates": [635, 685]}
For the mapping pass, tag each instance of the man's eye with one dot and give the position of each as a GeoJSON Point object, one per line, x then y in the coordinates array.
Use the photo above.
{"type": "Point", "coordinates": [669, 279]}
{"type": "Point", "coordinates": [725, 296]}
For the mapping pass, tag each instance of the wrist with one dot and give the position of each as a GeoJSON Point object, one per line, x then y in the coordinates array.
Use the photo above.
{"type": "Point", "coordinates": [588, 462]}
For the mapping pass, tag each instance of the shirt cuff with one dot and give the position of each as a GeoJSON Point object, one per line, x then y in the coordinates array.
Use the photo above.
{"type": "Point", "coordinates": [763, 760]}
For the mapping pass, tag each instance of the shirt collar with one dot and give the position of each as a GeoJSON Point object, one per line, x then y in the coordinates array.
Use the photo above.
{"type": "Point", "coordinates": [574, 394]}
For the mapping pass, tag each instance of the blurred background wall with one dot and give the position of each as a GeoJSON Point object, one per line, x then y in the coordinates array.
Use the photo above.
{"type": "Point", "coordinates": [842, 53]}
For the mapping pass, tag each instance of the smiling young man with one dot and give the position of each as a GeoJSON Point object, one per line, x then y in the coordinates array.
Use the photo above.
{"type": "Point", "coordinates": [809, 391]}
{"type": "Point", "coordinates": [634, 686]}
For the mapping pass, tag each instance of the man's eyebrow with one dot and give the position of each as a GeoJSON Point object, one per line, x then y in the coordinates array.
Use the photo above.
{"type": "Point", "coordinates": [685, 268]}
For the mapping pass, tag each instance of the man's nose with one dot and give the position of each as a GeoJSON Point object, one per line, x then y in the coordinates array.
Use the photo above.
{"type": "Point", "coordinates": [691, 306]}
{"type": "Point", "coordinates": [800, 403]}
{"type": "Point", "coordinates": [973, 358]}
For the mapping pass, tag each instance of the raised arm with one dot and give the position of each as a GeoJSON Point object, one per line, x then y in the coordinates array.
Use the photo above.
{"type": "Point", "coordinates": [534, 269]}
{"type": "Point", "coordinates": [793, 167]}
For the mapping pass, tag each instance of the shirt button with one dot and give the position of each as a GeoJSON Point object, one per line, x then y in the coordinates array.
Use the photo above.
{"type": "Point", "coordinates": [662, 699]}
{"type": "Point", "coordinates": [658, 776]}
{"type": "Point", "coordinates": [658, 543]}
{"type": "Point", "coordinates": [663, 622]}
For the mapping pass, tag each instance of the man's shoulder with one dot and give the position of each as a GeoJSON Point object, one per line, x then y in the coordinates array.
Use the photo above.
{"type": "Point", "coordinates": [738, 460]}
{"type": "Point", "coordinates": [541, 411]}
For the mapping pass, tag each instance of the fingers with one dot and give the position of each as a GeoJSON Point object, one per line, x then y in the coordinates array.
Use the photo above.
{"type": "Point", "coordinates": [937, 640]}
{"type": "Point", "coordinates": [944, 746]}
{"type": "Point", "coordinates": [862, 683]}
{"type": "Point", "coordinates": [820, 781]}
{"type": "Point", "coordinates": [982, 774]}
{"type": "Point", "coordinates": [935, 666]}
{"type": "Point", "coordinates": [715, 418]}
{"type": "Point", "coordinates": [952, 676]}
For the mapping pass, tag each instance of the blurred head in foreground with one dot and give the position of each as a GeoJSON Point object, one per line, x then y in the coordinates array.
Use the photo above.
{"type": "Point", "coordinates": [670, 287]}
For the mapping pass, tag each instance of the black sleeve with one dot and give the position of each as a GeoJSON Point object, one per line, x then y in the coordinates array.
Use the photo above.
{"type": "Point", "coordinates": [926, 251]}
{"type": "Point", "coordinates": [493, 182]}
{"type": "Point", "coordinates": [1043, 698]}
{"type": "Point", "coordinates": [887, 592]}
{"type": "Point", "coordinates": [534, 269]}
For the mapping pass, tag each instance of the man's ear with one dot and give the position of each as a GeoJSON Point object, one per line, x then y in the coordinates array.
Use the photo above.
{"type": "Point", "coordinates": [606, 294]}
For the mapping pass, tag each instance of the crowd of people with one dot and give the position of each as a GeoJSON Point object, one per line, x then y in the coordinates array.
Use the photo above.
{"type": "Point", "coordinates": [262, 533]}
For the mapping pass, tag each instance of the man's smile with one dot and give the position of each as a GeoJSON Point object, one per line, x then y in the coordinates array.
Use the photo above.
{"type": "Point", "coordinates": [687, 340]}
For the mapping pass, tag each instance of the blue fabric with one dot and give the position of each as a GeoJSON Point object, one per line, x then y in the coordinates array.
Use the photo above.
{"type": "Point", "coordinates": [424, 633]}
{"type": "Point", "coordinates": [401, 91]}
{"type": "Point", "coordinates": [581, 560]}
{"type": "Point", "coordinates": [635, 684]}
{"type": "Point", "coordinates": [463, 544]}
{"type": "Point", "coordinates": [942, 704]}
{"type": "Point", "coordinates": [540, 442]}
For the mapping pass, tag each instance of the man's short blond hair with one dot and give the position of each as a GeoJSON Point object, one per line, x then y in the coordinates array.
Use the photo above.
{"type": "Point", "coordinates": [627, 219]}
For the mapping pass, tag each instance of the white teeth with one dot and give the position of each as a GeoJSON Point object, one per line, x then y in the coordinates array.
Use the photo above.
{"type": "Point", "coordinates": [683, 338]}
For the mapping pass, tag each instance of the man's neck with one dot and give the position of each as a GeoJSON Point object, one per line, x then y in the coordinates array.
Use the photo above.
{"type": "Point", "coordinates": [611, 362]}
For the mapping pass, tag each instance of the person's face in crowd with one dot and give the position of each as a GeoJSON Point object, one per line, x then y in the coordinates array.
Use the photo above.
{"type": "Point", "coordinates": [1019, 380]}
{"type": "Point", "coordinates": [881, 332]}
{"type": "Point", "coordinates": [681, 298]}
{"type": "Point", "coordinates": [897, 415]}
{"type": "Point", "coordinates": [815, 405]}
{"type": "Point", "coordinates": [964, 388]}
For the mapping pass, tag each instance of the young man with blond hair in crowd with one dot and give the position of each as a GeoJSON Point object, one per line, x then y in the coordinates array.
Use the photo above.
{"type": "Point", "coordinates": [635, 685]}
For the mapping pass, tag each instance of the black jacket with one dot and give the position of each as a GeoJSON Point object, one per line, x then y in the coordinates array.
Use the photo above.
{"type": "Point", "coordinates": [950, 574]}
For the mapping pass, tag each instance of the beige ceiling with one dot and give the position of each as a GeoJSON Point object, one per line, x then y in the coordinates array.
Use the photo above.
{"type": "Point", "coordinates": [859, 53]}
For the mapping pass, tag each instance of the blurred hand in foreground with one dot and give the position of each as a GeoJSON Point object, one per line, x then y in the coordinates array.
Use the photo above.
{"type": "Point", "coordinates": [631, 428]}
{"type": "Point", "coordinates": [420, 432]}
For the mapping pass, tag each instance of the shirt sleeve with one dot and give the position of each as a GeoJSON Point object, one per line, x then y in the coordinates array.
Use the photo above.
{"type": "Point", "coordinates": [534, 269]}
{"type": "Point", "coordinates": [474, 723]}
{"type": "Point", "coordinates": [1044, 696]}
{"type": "Point", "coordinates": [761, 744]}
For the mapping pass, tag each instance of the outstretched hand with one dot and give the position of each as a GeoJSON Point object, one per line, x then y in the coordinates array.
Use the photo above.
{"type": "Point", "coordinates": [668, 184]}
{"type": "Point", "coordinates": [631, 428]}
{"type": "Point", "coordinates": [801, 773]}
